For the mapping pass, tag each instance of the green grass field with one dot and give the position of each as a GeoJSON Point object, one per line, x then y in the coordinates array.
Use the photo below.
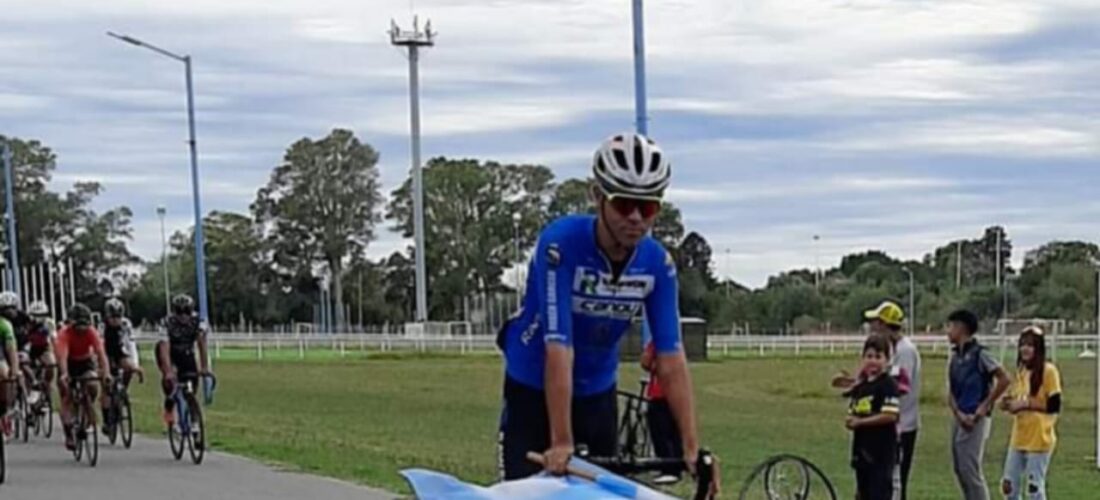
{"type": "Point", "coordinates": [364, 419]}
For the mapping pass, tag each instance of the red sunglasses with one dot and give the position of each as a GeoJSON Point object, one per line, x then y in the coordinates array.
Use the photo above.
{"type": "Point", "coordinates": [626, 206]}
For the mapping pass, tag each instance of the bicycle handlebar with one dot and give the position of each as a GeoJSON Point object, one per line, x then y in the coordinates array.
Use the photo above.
{"type": "Point", "coordinates": [705, 468]}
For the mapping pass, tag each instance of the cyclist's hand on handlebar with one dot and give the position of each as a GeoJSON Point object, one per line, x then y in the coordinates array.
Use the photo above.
{"type": "Point", "coordinates": [65, 379]}
{"type": "Point", "coordinates": [712, 469]}
{"type": "Point", "coordinates": [648, 361]}
{"type": "Point", "coordinates": [557, 459]}
{"type": "Point", "coordinates": [691, 456]}
{"type": "Point", "coordinates": [716, 478]}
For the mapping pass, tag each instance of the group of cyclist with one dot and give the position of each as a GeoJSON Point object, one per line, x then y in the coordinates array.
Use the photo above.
{"type": "Point", "coordinates": [589, 278]}
{"type": "Point", "coordinates": [32, 347]}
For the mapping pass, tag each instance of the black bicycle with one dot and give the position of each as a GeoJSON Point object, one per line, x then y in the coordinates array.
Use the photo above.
{"type": "Point", "coordinates": [85, 433]}
{"type": "Point", "coordinates": [120, 417]}
{"type": "Point", "coordinates": [633, 430]}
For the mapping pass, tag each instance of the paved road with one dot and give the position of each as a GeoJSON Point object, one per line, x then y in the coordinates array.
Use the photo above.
{"type": "Point", "coordinates": [44, 470]}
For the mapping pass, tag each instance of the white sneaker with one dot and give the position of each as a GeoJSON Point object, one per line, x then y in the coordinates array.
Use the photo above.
{"type": "Point", "coordinates": [33, 397]}
{"type": "Point", "coordinates": [666, 479]}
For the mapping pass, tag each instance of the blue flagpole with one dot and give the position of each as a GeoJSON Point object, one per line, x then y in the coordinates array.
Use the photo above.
{"type": "Point", "coordinates": [642, 118]}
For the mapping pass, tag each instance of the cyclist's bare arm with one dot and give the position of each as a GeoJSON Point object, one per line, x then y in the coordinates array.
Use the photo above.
{"type": "Point", "coordinates": [559, 392]}
{"type": "Point", "coordinates": [62, 351]}
{"type": "Point", "coordinates": [676, 379]}
{"type": "Point", "coordinates": [559, 400]}
{"type": "Point", "coordinates": [204, 362]}
{"type": "Point", "coordinates": [101, 355]}
{"type": "Point", "coordinates": [13, 360]}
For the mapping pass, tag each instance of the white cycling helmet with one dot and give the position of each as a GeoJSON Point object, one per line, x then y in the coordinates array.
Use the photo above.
{"type": "Point", "coordinates": [114, 307]}
{"type": "Point", "coordinates": [631, 165]}
{"type": "Point", "coordinates": [9, 299]}
{"type": "Point", "coordinates": [38, 308]}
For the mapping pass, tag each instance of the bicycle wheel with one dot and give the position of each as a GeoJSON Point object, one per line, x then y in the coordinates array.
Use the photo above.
{"type": "Point", "coordinates": [787, 479]}
{"type": "Point", "coordinates": [111, 425]}
{"type": "Point", "coordinates": [3, 462]}
{"type": "Point", "coordinates": [79, 430]}
{"type": "Point", "coordinates": [626, 438]}
{"type": "Point", "coordinates": [22, 417]}
{"type": "Point", "coordinates": [92, 442]}
{"type": "Point", "coordinates": [126, 421]}
{"type": "Point", "coordinates": [643, 448]}
{"type": "Point", "coordinates": [34, 418]}
{"type": "Point", "coordinates": [48, 417]}
{"type": "Point", "coordinates": [196, 442]}
{"type": "Point", "coordinates": [177, 430]}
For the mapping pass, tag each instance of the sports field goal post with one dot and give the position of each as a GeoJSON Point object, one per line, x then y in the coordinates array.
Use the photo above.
{"type": "Point", "coordinates": [438, 329]}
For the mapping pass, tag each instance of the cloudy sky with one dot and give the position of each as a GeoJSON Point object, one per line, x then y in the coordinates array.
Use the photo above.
{"type": "Point", "coordinates": [890, 124]}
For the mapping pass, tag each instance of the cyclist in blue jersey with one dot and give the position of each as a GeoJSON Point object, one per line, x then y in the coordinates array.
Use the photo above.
{"type": "Point", "coordinates": [589, 277]}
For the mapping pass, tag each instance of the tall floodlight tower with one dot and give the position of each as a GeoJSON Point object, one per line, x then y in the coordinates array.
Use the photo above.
{"type": "Point", "coordinates": [413, 41]}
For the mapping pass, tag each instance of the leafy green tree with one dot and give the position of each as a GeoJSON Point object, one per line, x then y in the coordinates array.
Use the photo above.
{"type": "Point", "coordinates": [471, 226]}
{"type": "Point", "coordinates": [321, 205]}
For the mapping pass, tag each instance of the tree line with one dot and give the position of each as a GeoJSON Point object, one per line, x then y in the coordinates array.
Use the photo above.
{"type": "Point", "coordinates": [310, 227]}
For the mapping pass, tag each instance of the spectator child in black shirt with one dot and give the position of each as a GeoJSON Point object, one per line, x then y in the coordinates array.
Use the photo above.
{"type": "Point", "coordinates": [872, 418]}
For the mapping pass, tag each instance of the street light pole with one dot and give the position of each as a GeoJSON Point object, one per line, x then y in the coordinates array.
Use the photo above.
{"type": "Point", "coordinates": [729, 274]}
{"type": "Point", "coordinates": [817, 262]}
{"type": "Point", "coordinates": [958, 264]}
{"type": "Point", "coordinates": [912, 302]}
{"type": "Point", "coordinates": [1096, 262]}
{"type": "Point", "coordinates": [161, 211]}
{"type": "Point", "coordinates": [13, 236]}
{"type": "Point", "coordinates": [997, 272]}
{"type": "Point", "coordinates": [200, 242]}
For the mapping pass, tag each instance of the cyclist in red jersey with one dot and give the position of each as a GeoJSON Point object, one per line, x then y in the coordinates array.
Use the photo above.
{"type": "Point", "coordinates": [79, 351]}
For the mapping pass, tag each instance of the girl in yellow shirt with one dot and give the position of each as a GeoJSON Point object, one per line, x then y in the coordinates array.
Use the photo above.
{"type": "Point", "coordinates": [1034, 403]}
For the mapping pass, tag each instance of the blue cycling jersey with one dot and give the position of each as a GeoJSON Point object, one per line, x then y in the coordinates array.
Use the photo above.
{"type": "Point", "coordinates": [572, 298]}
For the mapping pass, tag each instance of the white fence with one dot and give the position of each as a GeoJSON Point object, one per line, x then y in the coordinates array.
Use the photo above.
{"type": "Point", "coordinates": [764, 345]}
{"type": "Point", "coordinates": [717, 345]}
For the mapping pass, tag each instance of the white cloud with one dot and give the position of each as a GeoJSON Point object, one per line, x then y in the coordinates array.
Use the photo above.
{"type": "Point", "coordinates": [505, 113]}
{"type": "Point", "coordinates": [787, 118]}
{"type": "Point", "coordinates": [12, 102]}
{"type": "Point", "coordinates": [1038, 136]}
{"type": "Point", "coordinates": [751, 192]}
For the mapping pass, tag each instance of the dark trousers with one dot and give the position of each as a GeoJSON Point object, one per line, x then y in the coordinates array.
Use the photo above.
{"type": "Point", "coordinates": [875, 481]}
{"type": "Point", "coordinates": [525, 427]}
{"type": "Point", "coordinates": [906, 446]}
{"type": "Point", "coordinates": [663, 432]}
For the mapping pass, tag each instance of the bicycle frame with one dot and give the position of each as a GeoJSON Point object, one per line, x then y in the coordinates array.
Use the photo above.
{"type": "Point", "coordinates": [183, 411]}
{"type": "Point", "coordinates": [632, 428]}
